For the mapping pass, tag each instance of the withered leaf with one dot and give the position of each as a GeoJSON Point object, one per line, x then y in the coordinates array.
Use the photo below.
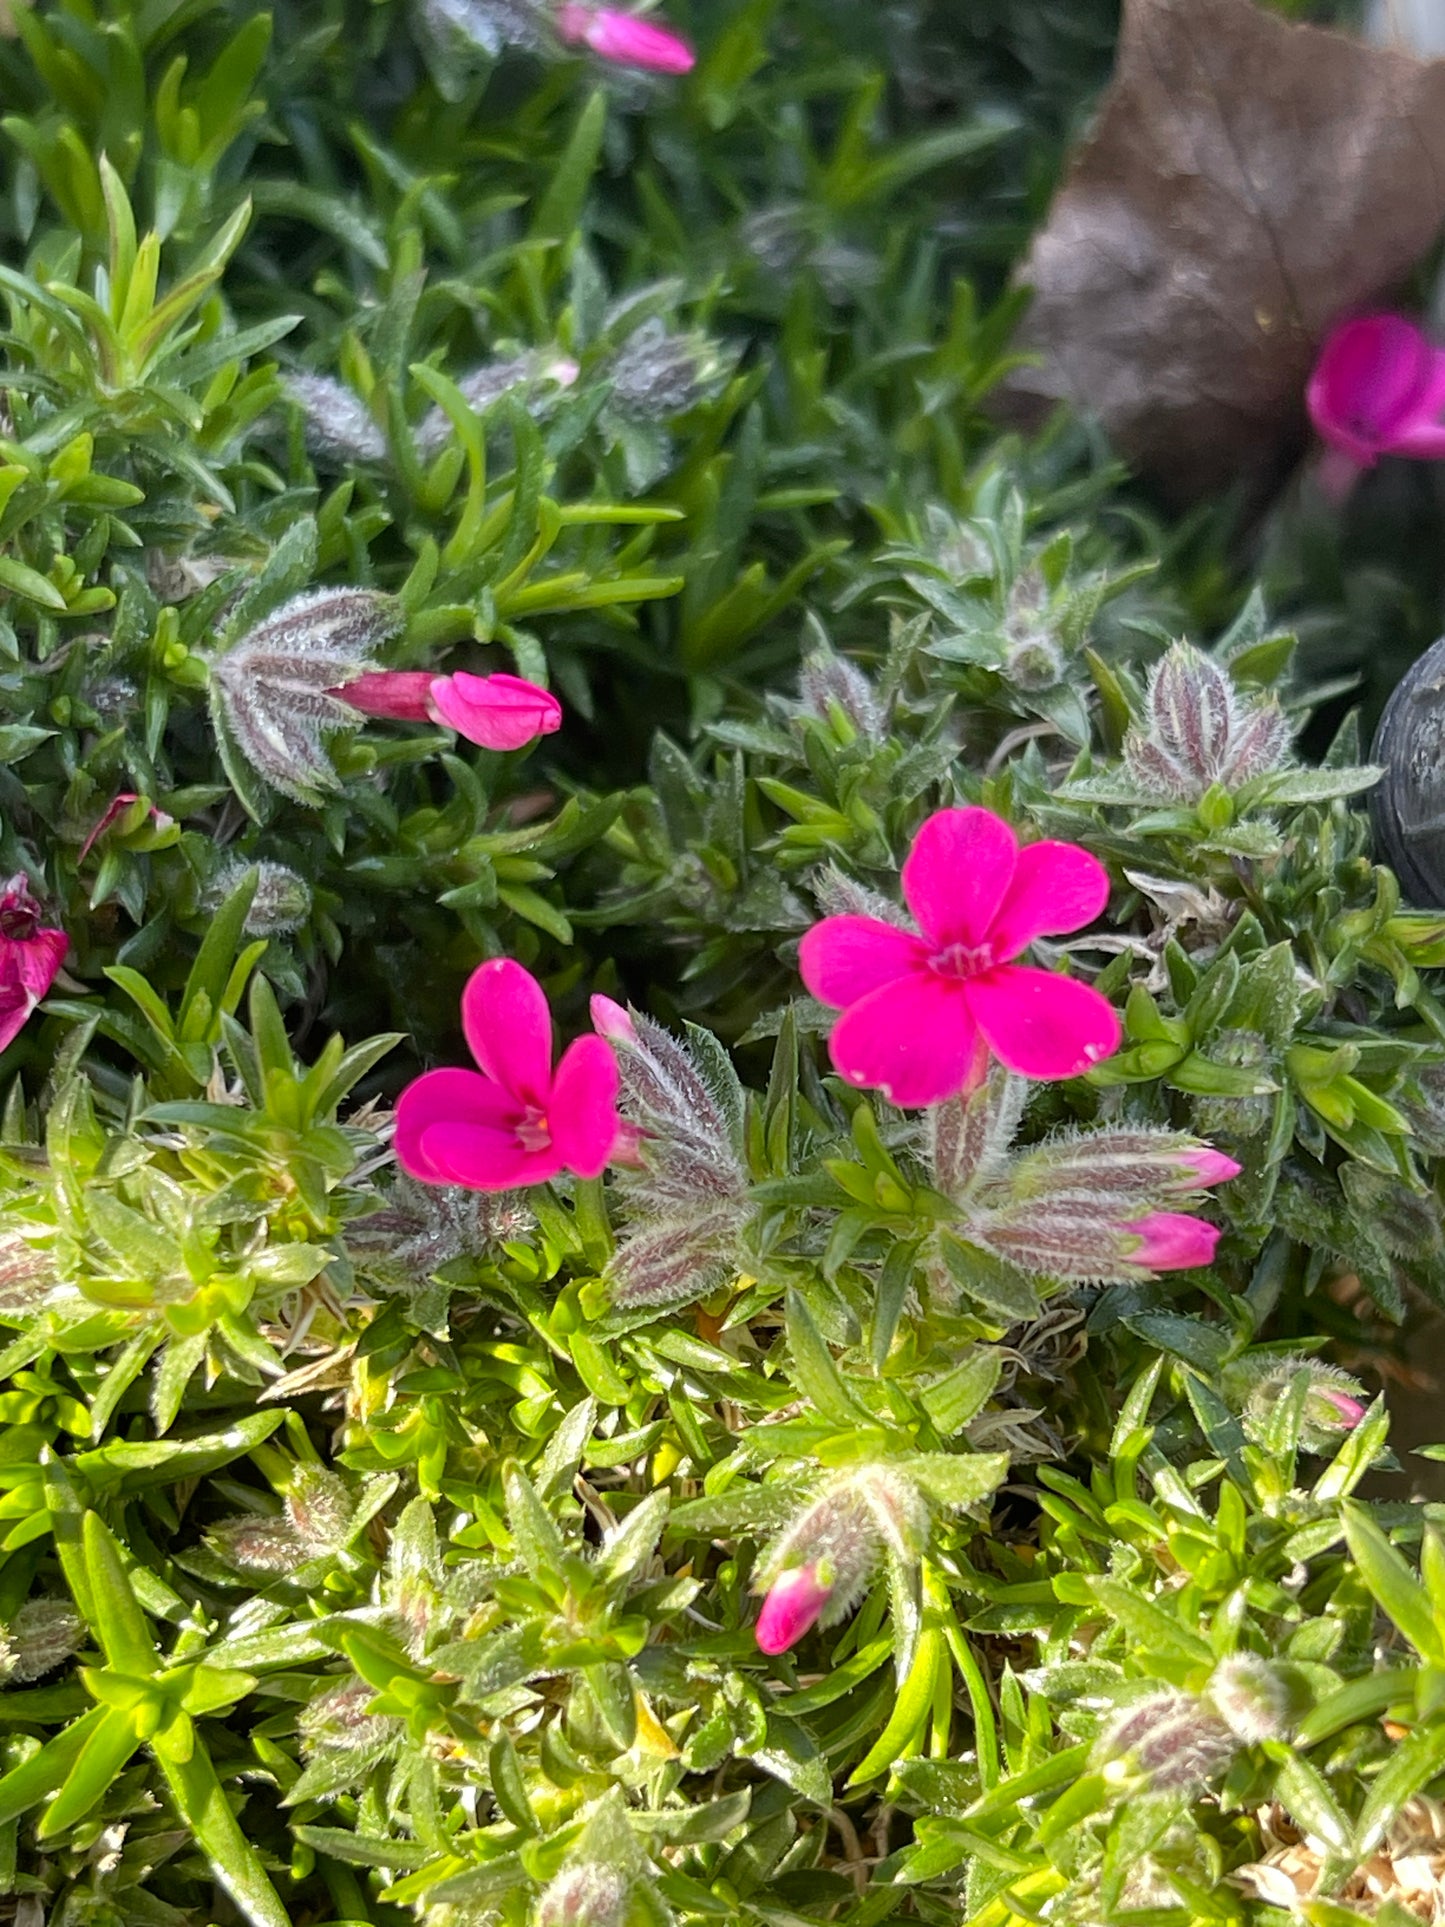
{"type": "Point", "coordinates": [1247, 182]}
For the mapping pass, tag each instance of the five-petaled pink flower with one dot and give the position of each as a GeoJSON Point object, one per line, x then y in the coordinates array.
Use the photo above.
{"type": "Point", "coordinates": [921, 1013]}
{"type": "Point", "coordinates": [517, 1121]}
{"type": "Point", "coordinates": [498, 712]}
{"type": "Point", "coordinates": [1377, 389]}
{"type": "Point", "coordinates": [793, 1605]}
{"type": "Point", "coordinates": [625, 38]}
{"type": "Point", "coordinates": [30, 956]}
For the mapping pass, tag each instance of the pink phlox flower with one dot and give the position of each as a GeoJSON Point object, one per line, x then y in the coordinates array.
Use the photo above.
{"type": "Point", "coordinates": [1172, 1241]}
{"type": "Point", "coordinates": [922, 1012]}
{"type": "Point", "coordinates": [498, 712]}
{"type": "Point", "coordinates": [622, 37]}
{"type": "Point", "coordinates": [30, 956]}
{"type": "Point", "coordinates": [517, 1120]}
{"type": "Point", "coordinates": [793, 1605]}
{"type": "Point", "coordinates": [1377, 389]}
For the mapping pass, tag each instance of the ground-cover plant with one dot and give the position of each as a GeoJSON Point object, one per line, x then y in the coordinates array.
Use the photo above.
{"type": "Point", "coordinates": [860, 1400]}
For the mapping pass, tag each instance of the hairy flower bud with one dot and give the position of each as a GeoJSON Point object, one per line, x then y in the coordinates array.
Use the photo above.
{"type": "Point", "coordinates": [272, 690]}
{"type": "Point", "coordinates": [1197, 732]}
{"type": "Point", "coordinates": [815, 1571]}
{"type": "Point", "coordinates": [829, 682]}
{"type": "Point", "coordinates": [1334, 1402]}
{"type": "Point", "coordinates": [42, 1634]}
{"type": "Point", "coordinates": [656, 374]}
{"type": "Point", "coordinates": [685, 1187]}
{"type": "Point", "coordinates": [590, 1895]}
{"type": "Point", "coordinates": [1081, 1240]}
{"type": "Point", "coordinates": [521, 375]}
{"type": "Point", "coordinates": [425, 1226]}
{"type": "Point", "coordinates": [487, 26]}
{"type": "Point", "coordinates": [27, 1273]}
{"type": "Point", "coordinates": [282, 902]}
{"type": "Point", "coordinates": [339, 427]}
{"type": "Point", "coordinates": [1118, 1169]}
{"type": "Point", "coordinates": [1173, 1741]}
{"type": "Point", "coordinates": [1254, 1698]}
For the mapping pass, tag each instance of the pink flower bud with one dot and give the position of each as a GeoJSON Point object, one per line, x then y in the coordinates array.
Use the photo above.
{"type": "Point", "coordinates": [1172, 1241]}
{"type": "Point", "coordinates": [625, 39]}
{"type": "Point", "coordinates": [1349, 1409]}
{"type": "Point", "coordinates": [611, 1021]}
{"type": "Point", "coordinates": [794, 1603]}
{"type": "Point", "coordinates": [1208, 1166]}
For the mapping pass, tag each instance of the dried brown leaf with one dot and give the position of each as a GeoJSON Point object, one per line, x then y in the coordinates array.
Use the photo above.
{"type": "Point", "coordinates": [1248, 181]}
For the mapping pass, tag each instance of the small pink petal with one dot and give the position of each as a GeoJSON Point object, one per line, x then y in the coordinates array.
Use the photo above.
{"type": "Point", "coordinates": [611, 1021]}
{"type": "Point", "coordinates": [1056, 888]}
{"type": "Point", "coordinates": [582, 1113]}
{"type": "Point", "coordinates": [399, 695]}
{"type": "Point", "coordinates": [1173, 1241]}
{"type": "Point", "coordinates": [1349, 1409]}
{"type": "Point", "coordinates": [498, 712]}
{"type": "Point", "coordinates": [508, 1027]}
{"type": "Point", "coordinates": [843, 959]}
{"type": "Point", "coordinates": [794, 1603]}
{"type": "Point", "coordinates": [445, 1098]}
{"type": "Point", "coordinates": [957, 875]}
{"type": "Point", "coordinates": [624, 38]}
{"type": "Point", "coordinates": [1040, 1024]}
{"type": "Point", "coordinates": [913, 1039]}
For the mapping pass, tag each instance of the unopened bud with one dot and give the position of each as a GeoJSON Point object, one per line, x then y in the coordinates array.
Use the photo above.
{"type": "Point", "coordinates": [611, 1021]}
{"type": "Point", "coordinates": [1254, 1699]}
{"type": "Point", "coordinates": [527, 376]}
{"type": "Point", "coordinates": [1333, 1402]}
{"type": "Point", "coordinates": [1172, 1241]}
{"type": "Point", "coordinates": [488, 26]}
{"type": "Point", "coordinates": [273, 688]}
{"type": "Point", "coordinates": [282, 902]}
{"type": "Point", "coordinates": [1197, 733]}
{"type": "Point", "coordinates": [592, 1895]}
{"type": "Point", "coordinates": [425, 1226]}
{"type": "Point", "coordinates": [656, 374]}
{"type": "Point", "coordinates": [815, 1571]}
{"type": "Point", "coordinates": [827, 682]}
{"type": "Point", "coordinates": [319, 1509]}
{"type": "Point", "coordinates": [43, 1633]}
{"type": "Point", "coordinates": [1171, 1740]}
{"type": "Point", "coordinates": [338, 426]}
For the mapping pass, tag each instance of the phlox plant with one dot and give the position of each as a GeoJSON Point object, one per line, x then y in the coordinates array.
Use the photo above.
{"type": "Point", "coordinates": [712, 1170]}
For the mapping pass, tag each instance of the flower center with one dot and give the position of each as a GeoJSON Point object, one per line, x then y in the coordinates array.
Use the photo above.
{"type": "Point", "coordinates": [534, 1133]}
{"type": "Point", "coordinates": [962, 960]}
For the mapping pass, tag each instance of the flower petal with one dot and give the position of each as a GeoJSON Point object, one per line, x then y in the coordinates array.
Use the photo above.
{"type": "Point", "coordinates": [509, 1029]}
{"type": "Point", "coordinates": [434, 1108]}
{"type": "Point", "coordinates": [28, 966]}
{"type": "Point", "coordinates": [1040, 1024]}
{"type": "Point", "coordinates": [913, 1039]}
{"type": "Point", "coordinates": [1056, 887]}
{"type": "Point", "coordinates": [499, 712]}
{"type": "Point", "coordinates": [957, 875]}
{"type": "Point", "coordinates": [843, 959]}
{"type": "Point", "coordinates": [582, 1115]}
